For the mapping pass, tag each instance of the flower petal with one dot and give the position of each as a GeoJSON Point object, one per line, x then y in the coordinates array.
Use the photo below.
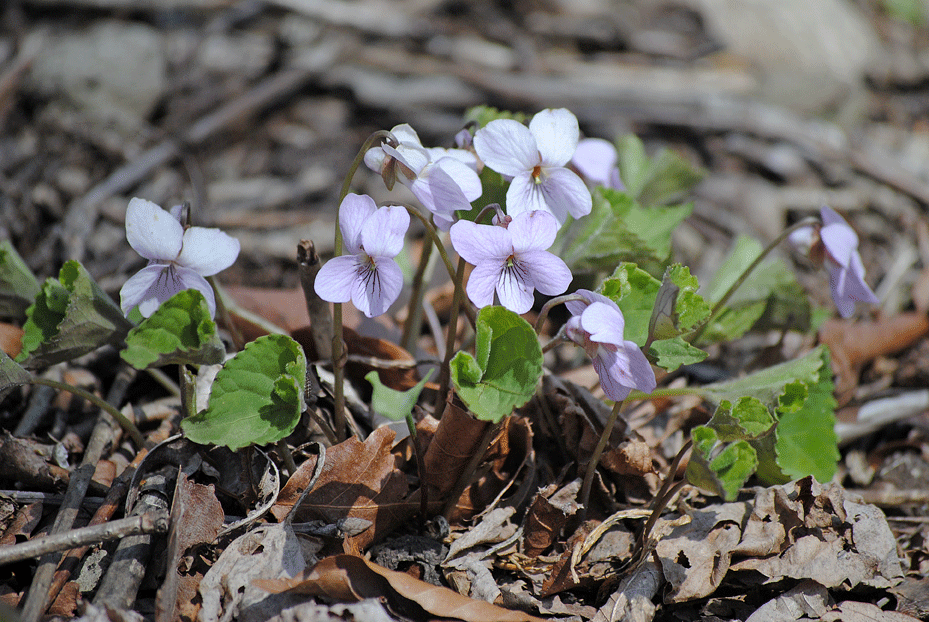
{"type": "Point", "coordinates": [564, 192]}
{"type": "Point", "coordinates": [335, 280]}
{"type": "Point", "coordinates": [507, 147]}
{"type": "Point", "coordinates": [136, 288]}
{"type": "Point", "coordinates": [604, 322]}
{"type": "Point", "coordinates": [556, 135]}
{"type": "Point", "coordinates": [152, 232]}
{"type": "Point", "coordinates": [481, 243]}
{"type": "Point", "coordinates": [545, 272]}
{"type": "Point", "coordinates": [383, 233]}
{"type": "Point", "coordinates": [413, 157]}
{"type": "Point", "coordinates": [524, 195]}
{"type": "Point", "coordinates": [595, 158]}
{"type": "Point", "coordinates": [188, 279]}
{"type": "Point", "coordinates": [482, 282]}
{"type": "Point", "coordinates": [354, 211]}
{"type": "Point", "coordinates": [840, 241]}
{"type": "Point", "coordinates": [404, 133]}
{"type": "Point", "coordinates": [463, 176]}
{"type": "Point", "coordinates": [208, 251]}
{"type": "Point", "coordinates": [377, 288]}
{"type": "Point", "coordinates": [515, 289]}
{"type": "Point", "coordinates": [533, 231]}
{"type": "Point", "coordinates": [612, 379]}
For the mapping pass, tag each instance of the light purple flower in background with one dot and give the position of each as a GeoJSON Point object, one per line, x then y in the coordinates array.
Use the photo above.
{"type": "Point", "coordinates": [178, 259]}
{"type": "Point", "coordinates": [367, 275]}
{"type": "Point", "coordinates": [846, 270]}
{"type": "Point", "coordinates": [443, 180]}
{"type": "Point", "coordinates": [597, 325]}
{"type": "Point", "coordinates": [511, 259]}
{"type": "Point", "coordinates": [535, 160]}
{"type": "Point", "coordinates": [596, 159]}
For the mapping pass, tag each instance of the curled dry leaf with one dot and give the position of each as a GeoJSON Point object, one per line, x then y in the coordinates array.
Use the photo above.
{"type": "Point", "coordinates": [352, 578]}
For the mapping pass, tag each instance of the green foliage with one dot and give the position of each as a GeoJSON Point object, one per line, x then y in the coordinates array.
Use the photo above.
{"type": "Point", "coordinates": [180, 331]}
{"type": "Point", "coordinates": [493, 191]}
{"type": "Point", "coordinates": [912, 11]}
{"type": "Point", "coordinates": [18, 286]}
{"type": "Point", "coordinates": [786, 413]}
{"type": "Point", "coordinates": [657, 181]}
{"type": "Point", "coordinates": [619, 229]}
{"type": "Point", "coordinates": [507, 367]}
{"type": "Point", "coordinates": [11, 374]}
{"type": "Point", "coordinates": [482, 115]}
{"type": "Point", "coordinates": [71, 316]}
{"type": "Point", "coordinates": [769, 298]}
{"type": "Point", "coordinates": [659, 313]}
{"type": "Point", "coordinates": [257, 397]}
{"type": "Point", "coordinates": [393, 404]}
{"type": "Point", "coordinates": [718, 467]}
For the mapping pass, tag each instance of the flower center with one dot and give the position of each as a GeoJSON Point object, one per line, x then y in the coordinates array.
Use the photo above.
{"type": "Point", "coordinates": [537, 174]}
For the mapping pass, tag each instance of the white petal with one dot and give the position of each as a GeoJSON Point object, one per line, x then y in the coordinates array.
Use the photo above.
{"type": "Point", "coordinates": [374, 159]}
{"type": "Point", "coordinates": [377, 288]}
{"type": "Point", "coordinates": [481, 243]}
{"type": "Point", "coordinates": [335, 280]}
{"type": "Point", "coordinates": [524, 195]}
{"type": "Point", "coordinates": [413, 157]}
{"type": "Point", "coordinates": [188, 279]}
{"type": "Point", "coordinates": [565, 192]}
{"type": "Point", "coordinates": [546, 272]}
{"type": "Point", "coordinates": [605, 323]}
{"type": "Point", "coordinates": [507, 147]}
{"type": "Point", "coordinates": [134, 290]}
{"type": "Point", "coordinates": [482, 282]}
{"type": "Point", "coordinates": [383, 233]}
{"type": "Point", "coordinates": [556, 135]}
{"type": "Point", "coordinates": [353, 213]}
{"type": "Point", "coordinates": [404, 133]}
{"type": "Point", "coordinates": [463, 176]}
{"type": "Point", "coordinates": [533, 231]}
{"type": "Point", "coordinates": [153, 232]}
{"type": "Point", "coordinates": [208, 251]}
{"type": "Point", "coordinates": [515, 289]}
{"type": "Point", "coordinates": [595, 158]}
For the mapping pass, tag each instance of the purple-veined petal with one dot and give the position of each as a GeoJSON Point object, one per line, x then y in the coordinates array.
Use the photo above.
{"type": "Point", "coordinates": [515, 288]}
{"type": "Point", "coordinates": [524, 195]}
{"type": "Point", "coordinates": [354, 212]}
{"type": "Point", "coordinates": [186, 278]}
{"type": "Point", "coordinates": [546, 272]}
{"type": "Point", "coordinates": [604, 322]}
{"type": "Point", "coordinates": [556, 135]}
{"type": "Point", "coordinates": [377, 287]}
{"type": "Point", "coordinates": [481, 243]}
{"type": "Point", "coordinates": [533, 231]}
{"type": "Point", "coordinates": [136, 288]}
{"type": "Point", "coordinates": [612, 380]}
{"type": "Point", "coordinates": [208, 251]}
{"type": "Point", "coordinates": [153, 232]}
{"type": "Point", "coordinates": [383, 233]}
{"type": "Point", "coordinates": [564, 192]}
{"type": "Point", "coordinates": [482, 283]}
{"type": "Point", "coordinates": [335, 280]}
{"type": "Point", "coordinates": [507, 147]}
{"type": "Point", "coordinates": [596, 158]}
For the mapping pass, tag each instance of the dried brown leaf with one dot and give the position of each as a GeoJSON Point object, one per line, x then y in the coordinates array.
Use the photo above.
{"type": "Point", "coordinates": [854, 611]}
{"type": "Point", "coordinates": [456, 438]}
{"type": "Point", "coordinates": [351, 578]}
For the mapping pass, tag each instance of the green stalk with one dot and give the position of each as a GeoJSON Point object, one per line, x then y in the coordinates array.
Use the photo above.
{"type": "Point", "coordinates": [720, 304]}
{"type": "Point", "coordinates": [595, 457]}
{"type": "Point", "coordinates": [128, 426]}
{"type": "Point", "coordinates": [543, 314]}
{"type": "Point", "coordinates": [445, 370]}
{"type": "Point", "coordinates": [414, 315]}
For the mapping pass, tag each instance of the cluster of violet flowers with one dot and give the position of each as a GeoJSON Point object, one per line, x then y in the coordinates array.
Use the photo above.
{"type": "Point", "coordinates": [510, 256]}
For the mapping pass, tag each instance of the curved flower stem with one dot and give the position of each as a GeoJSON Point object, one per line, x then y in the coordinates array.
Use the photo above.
{"type": "Point", "coordinates": [338, 360]}
{"type": "Point", "coordinates": [445, 370]}
{"type": "Point", "coordinates": [806, 222]}
{"type": "Point", "coordinates": [595, 457]}
{"type": "Point", "coordinates": [434, 236]}
{"type": "Point", "coordinates": [543, 313]}
{"type": "Point", "coordinates": [127, 425]}
{"type": "Point", "coordinates": [414, 315]}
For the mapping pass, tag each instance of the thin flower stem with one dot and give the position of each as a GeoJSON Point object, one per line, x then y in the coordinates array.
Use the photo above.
{"type": "Point", "coordinates": [338, 360]}
{"type": "Point", "coordinates": [434, 236]}
{"type": "Point", "coordinates": [127, 425]}
{"type": "Point", "coordinates": [420, 468]}
{"type": "Point", "coordinates": [414, 314]}
{"type": "Point", "coordinates": [806, 222]}
{"type": "Point", "coordinates": [224, 313]}
{"type": "Point", "coordinates": [595, 457]}
{"type": "Point", "coordinates": [543, 313]}
{"type": "Point", "coordinates": [445, 370]}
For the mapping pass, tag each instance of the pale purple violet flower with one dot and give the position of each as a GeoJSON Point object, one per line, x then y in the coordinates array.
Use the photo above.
{"type": "Point", "coordinates": [367, 275]}
{"type": "Point", "coordinates": [597, 325]}
{"type": "Point", "coordinates": [534, 158]}
{"type": "Point", "coordinates": [596, 159]}
{"type": "Point", "coordinates": [846, 270]}
{"type": "Point", "coordinates": [178, 259]}
{"type": "Point", "coordinates": [511, 259]}
{"type": "Point", "coordinates": [443, 180]}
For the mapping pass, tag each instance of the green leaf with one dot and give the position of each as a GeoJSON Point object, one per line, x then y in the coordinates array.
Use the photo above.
{"type": "Point", "coordinates": [634, 291]}
{"type": "Point", "coordinates": [18, 286]}
{"type": "Point", "coordinates": [393, 404]}
{"type": "Point", "coordinates": [506, 369]}
{"type": "Point", "coordinates": [257, 397]}
{"type": "Point", "coordinates": [654, 181]}
{"type": "Point", "coordinates": [180, 331]}
{"type": "Point", "coordinates": [672, 353]}
{"type": "Point", "coordinates": [71, 316]}
{"type": "Point", "coordinates": [768, 384]}
{"type": "Point", "coordinates": [482, 115]}
{"type": "Point", "coordinates": [718, 467]}
{"type": "Point", "coordinates": [748, 419]}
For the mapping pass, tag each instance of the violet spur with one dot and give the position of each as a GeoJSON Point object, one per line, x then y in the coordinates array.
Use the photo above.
{"type": "Point", "coordinates": [178, 258]}
{"type": "Point", "coordinates": [511, 259]}
{"type": "Point", "coordinates": [367, 275]}
{"type": "Point", "coordinates": [597, 325]}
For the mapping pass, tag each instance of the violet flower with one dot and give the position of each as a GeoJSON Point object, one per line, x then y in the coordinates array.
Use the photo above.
{"type": "Point", "coordinates": [443, 180]}
{"type": "Point", "coordinates": [512, 259]}
{"type": "Point", "coordinates": [597, 325]}
{"type": "Point", "coordinates": [367, 275]}
{"type": "Point", "coordinates": [596, 159]}
{"type": "Point", "coordinates": [535, 160]}
{"type": "Point", "coordinates": [178, 258]}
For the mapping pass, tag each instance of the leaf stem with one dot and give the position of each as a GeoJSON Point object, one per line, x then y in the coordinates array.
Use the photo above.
{"type": "Point", "coordinates": [414, 314]}
{"type": "Point", "coordinates": [718, 307]}
{"type": "Point", "coordinates": [445, 370]}
{"type": "Point", "coordinates": [595, 457]}
{"type": "Point", "coordinates": [128, 426]}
